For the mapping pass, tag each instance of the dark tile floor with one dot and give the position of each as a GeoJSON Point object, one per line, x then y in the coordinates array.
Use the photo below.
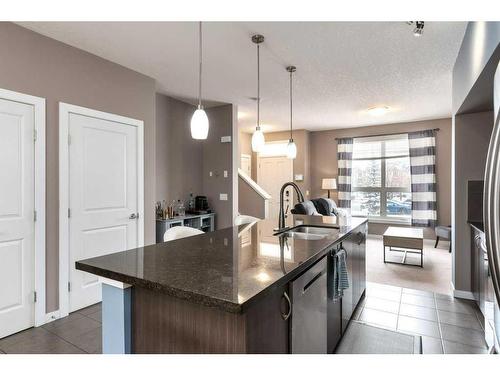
{"type": "Point", "coordinates": [447, 325]}
{"type": "Point", "coordinates": [78, 333]}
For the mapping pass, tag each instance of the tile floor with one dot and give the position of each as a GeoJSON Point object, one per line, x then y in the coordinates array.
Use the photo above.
{"type": "Point", "coordinates": [78, 333]}
{"type": "Point", "coordinates": [447, 325]}
{"type": "Point", "coordinates": [435, 276]}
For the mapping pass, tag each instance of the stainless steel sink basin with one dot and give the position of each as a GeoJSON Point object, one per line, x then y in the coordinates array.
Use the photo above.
{"type": "Point", "coordinates": [310, 233]}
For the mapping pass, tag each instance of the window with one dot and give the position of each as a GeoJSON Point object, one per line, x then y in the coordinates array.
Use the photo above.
{"type": "Point", "coordinates": [381, 178]}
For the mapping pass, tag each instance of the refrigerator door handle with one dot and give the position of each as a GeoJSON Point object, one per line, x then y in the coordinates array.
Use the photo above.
{"type": "Point", "coordinates": [491, 205]}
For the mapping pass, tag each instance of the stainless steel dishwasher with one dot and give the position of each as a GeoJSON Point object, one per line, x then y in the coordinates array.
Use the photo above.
{"type": "Point", "coordinates": [309, 310]}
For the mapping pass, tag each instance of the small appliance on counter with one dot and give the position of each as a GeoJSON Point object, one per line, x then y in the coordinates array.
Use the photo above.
{"type": "Point", "coordinates": [200, 205]}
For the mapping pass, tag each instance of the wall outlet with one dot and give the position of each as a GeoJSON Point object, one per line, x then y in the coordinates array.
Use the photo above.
{"type": "Point", "coordinates": [210, 173]}
{"type": "Point", "coordinates": [223, 197]}
{"type": "Point", "coordinates": [225, 139]}
{"type": "Point", "coordinates": [225, 174]}
{"type": "Point", "coordinates": [299, 177]}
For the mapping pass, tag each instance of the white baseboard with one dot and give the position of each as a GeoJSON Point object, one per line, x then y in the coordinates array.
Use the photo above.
{"type": "Point", "coordinates": [465, 294]}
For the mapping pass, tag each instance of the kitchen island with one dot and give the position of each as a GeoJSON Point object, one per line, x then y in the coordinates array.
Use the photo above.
{"type": "Point", "coordinates": [231, 291]}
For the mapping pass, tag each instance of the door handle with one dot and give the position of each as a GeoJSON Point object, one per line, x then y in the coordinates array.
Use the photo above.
{"type": "Point", "coordinates": [134, 216]}
{"type": "Point", "coordinates": [287, 315]}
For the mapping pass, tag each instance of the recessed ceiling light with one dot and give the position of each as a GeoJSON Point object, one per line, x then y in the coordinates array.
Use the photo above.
{"type": "Point", "coordinates": [378, 111]}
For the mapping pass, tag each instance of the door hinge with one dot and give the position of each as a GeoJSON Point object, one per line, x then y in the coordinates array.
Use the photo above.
{"type": "Point", "coordinates": [34, 296]}
{"type": "Point", "coordinates": [34, 215]}
{"type": "Point", "coordinates": [69, 139]}
{"type": "Point", "coordinates": [69, 286]}
{"type": "Point", "coordinates": [34, 135]}
{"type": "Point", "coordinates": [69, 213]}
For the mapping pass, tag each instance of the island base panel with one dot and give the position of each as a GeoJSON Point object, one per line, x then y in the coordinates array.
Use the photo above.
{"type": "Point", "coordinates": [116, 320]}
{"type": "Point", "coordinates": [165, 324]}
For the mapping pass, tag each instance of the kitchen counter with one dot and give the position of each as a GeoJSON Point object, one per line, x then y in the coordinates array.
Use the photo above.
{"type": "Point", "coordinates": [231, 291]}
{"type": "Point", "coordinates": [229, 269]}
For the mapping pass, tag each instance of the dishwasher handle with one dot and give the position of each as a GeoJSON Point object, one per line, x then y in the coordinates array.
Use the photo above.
{"type": "Point", "coordinates": [313, 280]}
{"type": "Point", "coordinates": [287, 315]}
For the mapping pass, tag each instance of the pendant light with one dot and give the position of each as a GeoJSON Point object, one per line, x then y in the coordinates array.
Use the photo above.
{"type": "Point", "coordinates": [199, 121]}
{"type": "Point", "coordinates": [291, 148]}
{"type": "Point", "coordinates": [258, 140]}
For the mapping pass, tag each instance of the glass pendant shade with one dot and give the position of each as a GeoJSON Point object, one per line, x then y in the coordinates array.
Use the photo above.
{"type": "Point", "coordinates": [258, 141]}
{"type": "Point", "coordinates": [199, 124]}
{"type": "Point", "coordinates": [291, 150]}
{"type": "Point", "coordinates": [199, 121]}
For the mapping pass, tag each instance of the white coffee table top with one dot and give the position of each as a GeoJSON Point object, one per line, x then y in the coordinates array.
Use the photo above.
{"type": "Point", "coordinates": [404, 232]}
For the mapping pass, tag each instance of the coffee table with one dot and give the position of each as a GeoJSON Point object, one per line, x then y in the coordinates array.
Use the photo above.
{"type": "Point", "coordinates": [405, 240]}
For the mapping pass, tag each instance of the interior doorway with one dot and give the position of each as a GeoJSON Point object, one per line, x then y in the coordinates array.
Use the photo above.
{"type": "Point", "coordinates": [101, 195]}
{"type": "Point", "coordinates": [246, 164]}
{"type": "Point", "coordinates": [273, 170]}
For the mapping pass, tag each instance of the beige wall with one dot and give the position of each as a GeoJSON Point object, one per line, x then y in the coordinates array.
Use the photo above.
{"type": "Point", "coordinates": [471, 137]}
{"type": "Point", "coordinates": [179, 157]}
{"type": "Point", "coordinates": [40, 66]}
{"type": "Point", "coordinates": [323, 149]}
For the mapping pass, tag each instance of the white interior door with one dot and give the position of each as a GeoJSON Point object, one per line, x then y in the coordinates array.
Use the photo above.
{"type": "Point", "coordinates": [246, 164]}
{"type": "Point", "coordinates": [273, 172]}
{"type": "Point", "coordinates": [103, 197]}
{"type": "Point", "coordinates": [17, 207]}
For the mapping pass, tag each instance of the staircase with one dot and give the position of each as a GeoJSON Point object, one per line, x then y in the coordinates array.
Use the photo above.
{"type": "Point", "coordinates": [252, 199]}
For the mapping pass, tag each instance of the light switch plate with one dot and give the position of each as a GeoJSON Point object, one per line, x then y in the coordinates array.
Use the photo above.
{"type": "Point", "coordinates": [225, 139]}
{"type": "Point", "coordinates": [223, 197]}
{"type": "Point", "coordinates": [210, 174]}
{"type": "Point", "coordinates": [299, 177]}
{"type": "Point", "coordinates": [225, 174]}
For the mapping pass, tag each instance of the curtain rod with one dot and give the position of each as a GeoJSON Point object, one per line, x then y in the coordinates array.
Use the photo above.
{"type": "Point", "coordinates": [384, 135]}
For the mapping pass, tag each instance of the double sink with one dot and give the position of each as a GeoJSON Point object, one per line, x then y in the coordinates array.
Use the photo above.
{"type": "Point", "coordinates": [307, 232]}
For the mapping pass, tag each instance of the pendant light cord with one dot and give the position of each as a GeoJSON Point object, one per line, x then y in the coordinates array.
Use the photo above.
{"type": "Point", "coordinates": [258, 87]}
{"type": "Point", "coordinates": [200, 72]}
{"type": "Point", "coordinates": [291, 104]}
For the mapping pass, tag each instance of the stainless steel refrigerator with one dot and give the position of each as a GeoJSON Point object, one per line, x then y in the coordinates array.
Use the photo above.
{"type": "Point", "coordinates": [492, 223]}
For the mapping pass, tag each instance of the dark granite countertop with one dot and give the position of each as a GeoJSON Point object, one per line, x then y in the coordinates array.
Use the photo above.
{"type": "Point", "coordinates": [479, 225]}
{"type": "Point", "coordinates": [230, 268]}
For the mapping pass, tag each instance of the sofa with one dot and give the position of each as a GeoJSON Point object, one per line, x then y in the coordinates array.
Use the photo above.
{"type": "Point", "coordinates": [318, 207]}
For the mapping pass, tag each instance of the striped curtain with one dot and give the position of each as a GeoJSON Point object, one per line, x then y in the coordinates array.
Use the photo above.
{"type": "Point", "coordinates": [344, 157]}
{"type": "Point", "coordinates": [423, 178]}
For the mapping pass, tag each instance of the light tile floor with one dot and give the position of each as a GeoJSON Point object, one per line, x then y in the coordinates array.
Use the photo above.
{"type": "Point", "coordinates": [447, 325]}
{"type": "Point", "coordinates": [434, 277]}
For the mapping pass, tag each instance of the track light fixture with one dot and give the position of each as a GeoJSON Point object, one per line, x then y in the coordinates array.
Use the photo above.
{"type": "Point", "coordinates": [419, 28]}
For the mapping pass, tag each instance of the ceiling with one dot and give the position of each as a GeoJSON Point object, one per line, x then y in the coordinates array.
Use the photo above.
{"type": "Point", "coordinates": [343, 68]}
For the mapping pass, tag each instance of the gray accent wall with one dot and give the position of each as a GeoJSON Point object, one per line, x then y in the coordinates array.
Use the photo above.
{"type": "Point", "coordinates": [478, 53]}
{"type": "Point", "coordinates": [219, 157]}
{"type": "Point", "coordinates": [34, 64]}
{"type": "Point", "coordinates": [179, 158]}
{"type": "Point", "coordinates": [471, 134]}
{"type": "Point", "coordinates": [472, 125]}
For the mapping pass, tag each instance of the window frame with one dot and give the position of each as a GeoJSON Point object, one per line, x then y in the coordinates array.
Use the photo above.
{"type": "Point", "coordinates": [383, 189]}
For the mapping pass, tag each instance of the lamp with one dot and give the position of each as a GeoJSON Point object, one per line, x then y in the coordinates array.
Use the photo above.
{"type": "Point", "coordinates": [329, 184]}
{"type": "Point", "coordinates": [199, 121]}
{"type": "Point", "coordinates": [258, 140]}
{"type": "Point", "coordinates": [291, 149]}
